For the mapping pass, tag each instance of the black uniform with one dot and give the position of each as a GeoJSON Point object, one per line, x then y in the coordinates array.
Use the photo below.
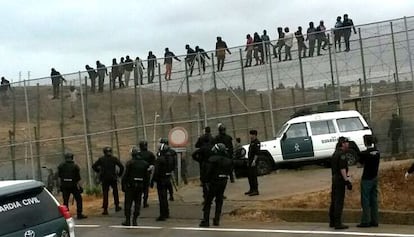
{"type": "Point", "coordinates": [171, 156]}
{"type": "Point", "coordinates": [254, 149]}
{"type": "Point", "coordinates": [219, 168]}
{"type": "Point", "coordinates": [149, 157]}
{"type": "Point", "coordinates": [204, 145]}
{"type": "Point", "coordinates": [106, 167]}
{"type": "Point", "coordinates": [227, 140]}
{"type": "Point", "coordinates": [69, 175]}
{"type": "Point", "coordinates": [133, 184]}
{"type": "Point", "coordinates": [162, 176]}
{"type": "Point", "coordinates": [339, 161]}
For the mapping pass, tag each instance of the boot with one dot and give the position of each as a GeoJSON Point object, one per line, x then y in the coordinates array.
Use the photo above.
{"type": "Point", "coordinates": [118, 208]}
{"type": "Point", "coordinates": [81, 216]}
{"type": "Point", "coordinates": [127, 221]}
{"type": "Point", "coordinates": [216, 221]}
{"type": "Point", "coordinates": [134, 221]}
{"type": "Point", "coordinates": [204, 223]}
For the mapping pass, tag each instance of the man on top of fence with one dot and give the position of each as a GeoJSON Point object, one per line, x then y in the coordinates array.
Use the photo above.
{"type": "Point", "coordinates": [5, 86]}
{"type": "Point", "coordinates": [347, 24]}
{"type": "Point", "coordinates": [168, 59]}
{"type": "Point", "coordinates": [221, 48]}
{"type": "Point", "coordinates": [57, 79]}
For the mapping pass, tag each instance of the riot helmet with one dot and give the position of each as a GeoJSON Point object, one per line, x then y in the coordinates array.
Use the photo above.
{"type": "Point", "coordinates": [68, 156]}
{"type": "Point", "coordinates": [219, 149]}
{"type": "Point", "coordinates": [164, 140]}
{"type": "Point", "coordinates": [143, 145]}
{"type": "Point", "coordinates": [134, 152]}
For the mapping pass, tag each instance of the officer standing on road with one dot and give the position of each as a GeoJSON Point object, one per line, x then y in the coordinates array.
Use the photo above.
{"type": "Point", "coordinates": [162, 176]}
{"type": "Point", "coordinates": [149, 157]}
{"type": "Point", "coordinates": [227, 140]}
{"type": "Point", "coordinates": [340, 180]}
{"type": "Point", "coordinates": [133, 184]}
{"type": "Point", "coordinates": [219, 167]}
{"type": "Point", "coordinates": [69, 174]}
{"type": "Point", "coordinates": [171, 156]}
{"type": "Point", "coordinates": [252, 155]}
{"type": "Point", "coordinates": [369, 183]}
{"type": "Point", "coordinates": [204, 145]}
{"type": "Point", "coordinates": [106, 167]}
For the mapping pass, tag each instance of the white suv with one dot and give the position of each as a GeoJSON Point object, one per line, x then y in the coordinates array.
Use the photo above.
{"type": "Point", "coordinates": [311, 139]}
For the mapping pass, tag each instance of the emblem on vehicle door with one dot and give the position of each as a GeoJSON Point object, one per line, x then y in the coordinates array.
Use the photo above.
{"type": "Point", "coordinates": [29, 233]}
{"type": "Point", "coordinates": [297, 147]}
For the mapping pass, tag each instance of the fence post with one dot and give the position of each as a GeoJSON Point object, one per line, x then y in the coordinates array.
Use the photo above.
{"type": "Point", "coordinates": [62, 119]}
{"type": "Point", "coordinates": [215, 83]}
{"type": "Point", "coordinates": [13, 147]}
{"type": "Point", "coordinates": [29, 130]}
{"type": "Point", "coordinates": [39, 168]}
{"type": "Point", "coordinates": [87, 137]}
{"type": "Point", "coordinates": [270, 92]}
{"type": "Point", "coordinates": [136, 112]}
{"type": "Point", "coordinates": [141, 101]}
{"type": "Point", "coordinates": [37, 132]}
{"type": "Point", "coordinates": [161, 100]}
{"type": "Point", "coordinates": [232, 118]}
{"type": "Point", "coordinates": [338, 84]}
{"type": "Point", "coordinates": [203, 93]}
{"type": "Point", "coordinates": [116, 137]}
{"type": "Point", "coordinates": [11, 142]}
{"type": "Point", "coordinates": [244, 90]}
{"type": "Point", "coordinates": [111, 112]}
{"type": "Point", "coordinates": [331, 70]}
{"type": "Point", "coordinates": [171, 117]}
{"type": "Point", "coordinates": [364, 75]}
{"type": "Point", "coordinates": [409, 50]}
{"type": "Point", "coordinates": [302, 82]}
{"type": "Point", "coordinates": [263, 115]}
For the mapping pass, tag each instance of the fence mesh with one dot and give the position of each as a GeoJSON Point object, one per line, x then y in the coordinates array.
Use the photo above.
{"type": "Point", "coordinates": [374, 77]}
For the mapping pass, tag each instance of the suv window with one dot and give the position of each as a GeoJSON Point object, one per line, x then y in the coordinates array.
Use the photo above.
{"type": "Point", "coordinates": [297, 130]}
{"type": "Point", "coordinates": [322, 127]}
{"type": "Point", "coordinates": [350, 124]}
{"type": "Point", "coordinates": [31, 208]}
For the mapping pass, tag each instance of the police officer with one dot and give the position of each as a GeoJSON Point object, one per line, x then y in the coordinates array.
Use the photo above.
{"type": "Point", "coordinates": [340, 180]}
{"type": "Point", "coordinates": [227, 140]}
{"type": "Point", "coordinates": [219, 167]}
{"type": "Point", "coordinates": [162, 176]}
{"type": "Point", "coordinates": [171, 156]}
{"type": "Point", "coordinates": [133, 184]}
{"type": "Point", "coordinates": [69, 174]}
{"type": "Point", "coordinates": [107, 166]}
{"type": "Point", "coordinates": [149, 157]}
{"type": "Point", "coordinates": [254, 149]}
{"type": "Point", "coordinates": [204, 145]}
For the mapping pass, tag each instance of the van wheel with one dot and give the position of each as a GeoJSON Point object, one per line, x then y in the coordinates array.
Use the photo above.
{"type": "Point", "coordinates": [351, 157]}
{"type": "Point", "coordinates": [264, 165]}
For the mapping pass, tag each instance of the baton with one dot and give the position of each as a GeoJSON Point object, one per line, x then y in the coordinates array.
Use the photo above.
{"type": "Point", "coordinates": [173, 183]}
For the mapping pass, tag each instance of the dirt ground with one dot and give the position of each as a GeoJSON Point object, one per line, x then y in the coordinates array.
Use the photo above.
{"type": "Point", "coordinates": [395, 193]}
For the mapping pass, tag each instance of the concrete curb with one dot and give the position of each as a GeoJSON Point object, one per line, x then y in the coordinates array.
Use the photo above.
{"type": "Point", "coordinates": [321, 215]}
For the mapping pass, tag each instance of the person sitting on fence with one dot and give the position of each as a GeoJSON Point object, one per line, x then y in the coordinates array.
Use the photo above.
{"type": "Point", "coordinates": [57, 79]}
{"type": "Point", "coordinates": [5, 87]}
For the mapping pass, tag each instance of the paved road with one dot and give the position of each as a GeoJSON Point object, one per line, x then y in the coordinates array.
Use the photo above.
{"type": "Point", "coordinates": [98, 227]}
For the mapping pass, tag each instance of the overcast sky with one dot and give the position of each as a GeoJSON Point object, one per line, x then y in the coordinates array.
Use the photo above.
{"type": "Point", "coordinates": [67, 34]}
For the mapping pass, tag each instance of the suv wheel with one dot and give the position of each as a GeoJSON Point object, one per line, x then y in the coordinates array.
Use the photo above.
{"type": "Point", "coordinates": [351, 157]}
{"type": "Point", "coordinates": [264, 166]}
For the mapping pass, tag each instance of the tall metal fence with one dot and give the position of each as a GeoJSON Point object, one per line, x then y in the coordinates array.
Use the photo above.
{"type": "Point", "coordinates": [374, 77]}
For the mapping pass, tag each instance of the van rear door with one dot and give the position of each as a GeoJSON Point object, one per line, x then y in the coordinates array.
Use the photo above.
{"type": "Point", "coordinates": [296, 142]}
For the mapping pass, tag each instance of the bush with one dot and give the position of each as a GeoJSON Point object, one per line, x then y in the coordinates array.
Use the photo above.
{"type": "Point", "coordinates": [93, 190]}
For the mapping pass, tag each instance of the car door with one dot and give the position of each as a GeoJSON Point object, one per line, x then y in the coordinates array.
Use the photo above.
{"type": "Point", "coordinates": [296, 142]}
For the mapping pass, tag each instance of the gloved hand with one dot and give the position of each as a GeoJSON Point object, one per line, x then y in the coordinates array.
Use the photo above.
{"type": "Point", "coordinates": [253, 163]}
{"type": "Point", "coordinates": [348, 185]}
{"type": "Point", "coordinates": [406, 175]}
